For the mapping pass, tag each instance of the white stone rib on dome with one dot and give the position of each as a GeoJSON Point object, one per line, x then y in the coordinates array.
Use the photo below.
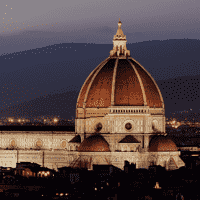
{"type": "Point", "coordinates": [163, 106]}
{"type": "Point", "coordinates": [113, 83]}
{"type": "Point", "coordinates": [141, 84]}
{"type": "Point", "coordinates": [100, 65]}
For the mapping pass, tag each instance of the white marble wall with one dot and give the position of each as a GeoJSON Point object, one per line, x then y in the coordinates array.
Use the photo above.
{"type": "Point", "coordinates": [59, 158]}
{"type": "Point", "coordinates": [28, 140]}
{"type": "Point", "coordinates": [52, 159]}
{"type": "Point", "coordinates": [116, 123]}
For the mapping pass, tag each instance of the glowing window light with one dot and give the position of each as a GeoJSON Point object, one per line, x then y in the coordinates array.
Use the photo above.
{"type": "Point", "coordinates": [55, 120]}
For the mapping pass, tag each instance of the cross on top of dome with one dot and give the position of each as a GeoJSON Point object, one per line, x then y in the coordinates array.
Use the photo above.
{"type": "Point", "coordinates": [119, 43]}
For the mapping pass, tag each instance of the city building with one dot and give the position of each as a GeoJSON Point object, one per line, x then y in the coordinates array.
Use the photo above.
{"type": "Point", "coordinates": [120, 115]}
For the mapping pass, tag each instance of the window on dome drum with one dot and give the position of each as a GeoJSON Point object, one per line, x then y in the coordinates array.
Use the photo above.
{"type": "Point", "coordinates": [39, 143]}
{"type": "Point", "coordinates": [128, 126]}
{"type": "Point", "coordinates": [98, 127]}
{"type": "Point", "coordinates": [12, 143]}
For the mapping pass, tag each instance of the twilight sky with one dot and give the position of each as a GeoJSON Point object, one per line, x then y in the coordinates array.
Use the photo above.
{"type": "Point", "coordinates": [83, 19]}
{"type": "Point", "coordinates": [38, 64]}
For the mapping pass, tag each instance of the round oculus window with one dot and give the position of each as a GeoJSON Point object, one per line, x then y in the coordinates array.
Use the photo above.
{"type": "Point", "coordinates": [12, 143]}
{"type": "Point", "coordinates": [128, 126]}
{"type": "Point", "coordinates": [39, 143]}
{"type": "Point", "coordinates": [99, 127]}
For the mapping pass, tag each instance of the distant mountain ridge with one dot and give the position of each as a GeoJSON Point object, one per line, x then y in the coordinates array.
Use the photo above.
{"type": "Point", "coordinates": [174, 64]}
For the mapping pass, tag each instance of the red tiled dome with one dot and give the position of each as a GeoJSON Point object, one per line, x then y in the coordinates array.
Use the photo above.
{"type": "Point", "coordinates": [132, 84]}
{"type": "Point", "coordinates": [162, 143]}
{"type": "Point", "coordinates": [94, 143]}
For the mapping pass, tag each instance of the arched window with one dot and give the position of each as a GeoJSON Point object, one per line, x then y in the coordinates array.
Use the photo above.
{"type": "Point", "coordinates": [155, 125]}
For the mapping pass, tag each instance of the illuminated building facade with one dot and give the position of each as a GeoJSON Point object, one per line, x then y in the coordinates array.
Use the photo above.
{"type": "Point", "coordinates": [120, 115]}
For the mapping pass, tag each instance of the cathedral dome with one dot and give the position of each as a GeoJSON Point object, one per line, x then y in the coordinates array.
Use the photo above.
{"type": "Point", "coordinates": [94, 143]}
{"type": "Point", "coordinates": [162, 143]}
{"type": "Point", "coordinates": [119, 85]}
{"type": "Point", "coordinates": [119, 81]}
